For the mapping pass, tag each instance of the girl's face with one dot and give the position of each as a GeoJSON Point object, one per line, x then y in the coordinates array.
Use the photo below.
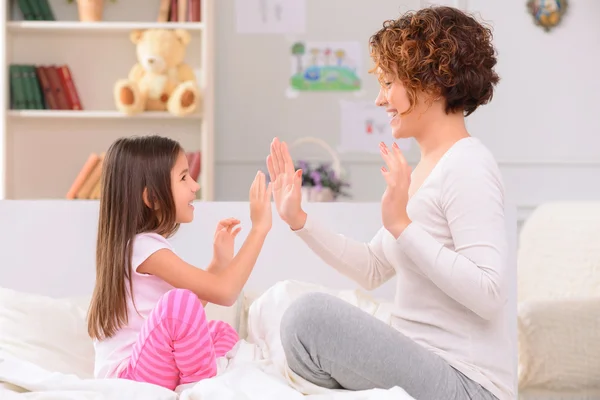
{"type": "Point", "coordinates": [184, 190]}
{"type": "Point", "coordinates": [393, 96]}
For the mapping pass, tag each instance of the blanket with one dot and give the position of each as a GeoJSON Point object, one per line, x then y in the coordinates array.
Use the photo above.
{"type": "Point", "coordinates": [254, 369]}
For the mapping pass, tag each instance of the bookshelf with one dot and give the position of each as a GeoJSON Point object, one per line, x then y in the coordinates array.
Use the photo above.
{"type": "Point", "coordinates": [42, 151]}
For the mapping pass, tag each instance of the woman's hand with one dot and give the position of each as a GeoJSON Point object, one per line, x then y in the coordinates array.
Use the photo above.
{"type": "Point", "coordinates": [260, 204]}
{"type": "Point", "coordinates": [224, 241]}
{"type": "Point", "coordinates": [395, 198]}
{"type": "Point", "coordinates": [287, 185]}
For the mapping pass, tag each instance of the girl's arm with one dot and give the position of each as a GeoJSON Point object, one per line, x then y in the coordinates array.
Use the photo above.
{"type": "Point", "coordinates": [222, 287]}
{"type": "Point", "coordinates": [365, 263]}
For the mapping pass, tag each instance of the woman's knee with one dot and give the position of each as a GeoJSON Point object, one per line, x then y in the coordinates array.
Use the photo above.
{"type": "Point", "coordinates": [306, 311]}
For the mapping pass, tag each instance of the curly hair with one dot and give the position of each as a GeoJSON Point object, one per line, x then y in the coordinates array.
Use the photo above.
{"type": "Point", "coordinates": [441, 51]}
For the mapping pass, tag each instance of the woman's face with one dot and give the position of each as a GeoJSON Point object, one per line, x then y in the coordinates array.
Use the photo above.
{"type": "Point", "coordinates": [393, 96]}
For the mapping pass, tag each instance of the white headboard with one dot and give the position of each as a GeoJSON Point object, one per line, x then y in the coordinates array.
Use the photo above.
{"type": "Point", "coordinates": [48, 247]}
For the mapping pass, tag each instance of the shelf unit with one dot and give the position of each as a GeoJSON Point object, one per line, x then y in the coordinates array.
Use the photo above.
{"type": "Point", "coordinates": [95, 114]}
{"type": "Point", "coordinates": [42, 151]}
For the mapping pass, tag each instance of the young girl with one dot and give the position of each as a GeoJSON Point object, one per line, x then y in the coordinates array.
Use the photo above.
{"type": "Point", "coordinates": [147, 314]}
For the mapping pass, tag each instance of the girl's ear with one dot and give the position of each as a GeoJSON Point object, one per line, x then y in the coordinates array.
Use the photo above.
{"type": "Point", "coordinates": [146, 199]}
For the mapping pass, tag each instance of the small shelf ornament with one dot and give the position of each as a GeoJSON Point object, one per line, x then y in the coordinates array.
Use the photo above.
{"type": "Point", "coordinates": [547, 13]}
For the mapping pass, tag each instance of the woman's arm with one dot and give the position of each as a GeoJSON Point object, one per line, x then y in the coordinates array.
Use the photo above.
{"type": "Point", "coordinates": [218, 287]}
{"type": "Point", "coordinates": [474, 272]}
{"type": "Point", "coordinates": [365, 263]}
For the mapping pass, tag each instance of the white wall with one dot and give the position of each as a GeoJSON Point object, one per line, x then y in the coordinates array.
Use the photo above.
{"type": "Point", "coordinates": [542, 124]}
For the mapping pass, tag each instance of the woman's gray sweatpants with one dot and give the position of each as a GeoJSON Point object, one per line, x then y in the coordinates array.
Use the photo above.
{"type": "Point", "coordinates": [336, 345]}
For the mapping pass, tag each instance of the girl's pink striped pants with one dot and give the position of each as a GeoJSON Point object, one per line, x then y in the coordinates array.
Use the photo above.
{"type": "Point", "coordinates": [177, 345]}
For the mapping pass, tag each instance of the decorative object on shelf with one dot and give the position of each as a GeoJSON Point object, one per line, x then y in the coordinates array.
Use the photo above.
{"type": "Point", "coordinates": [90, 10]}
{"type": "Point", "coordinates": [547, 13]}
{"type": "Point", "coordinates": [161, 72]}
{"type": "Point", "coordinates": [324, 182]}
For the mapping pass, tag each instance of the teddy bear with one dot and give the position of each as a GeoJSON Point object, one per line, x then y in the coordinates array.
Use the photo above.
{"type": "Point", "coordinates": [160, 80]}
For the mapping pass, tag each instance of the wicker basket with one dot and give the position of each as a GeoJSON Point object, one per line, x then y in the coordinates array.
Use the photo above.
{"type": "Point", "coordinates": [313, 194]}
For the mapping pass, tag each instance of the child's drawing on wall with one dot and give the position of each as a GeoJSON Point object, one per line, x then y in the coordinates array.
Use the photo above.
{"type": "Point", "coordinates": [321, 66]}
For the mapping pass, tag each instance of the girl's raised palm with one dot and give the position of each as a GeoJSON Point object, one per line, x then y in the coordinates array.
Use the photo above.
{"type": "Point", "coordinates": [260, 203]}
{"type": "Point", "coordinates": [286, 183]}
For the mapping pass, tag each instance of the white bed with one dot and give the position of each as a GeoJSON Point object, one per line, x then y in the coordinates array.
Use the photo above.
{"type": "Point", "coordinates": [47, 275]}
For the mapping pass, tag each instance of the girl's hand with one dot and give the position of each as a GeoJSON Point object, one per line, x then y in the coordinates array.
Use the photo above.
{"type": "Point", "coordinates": [260, 204]}
{"type": "Point", "coordinates": [395, 198]}
{"type": "Point", "coordinates": [224, 241]}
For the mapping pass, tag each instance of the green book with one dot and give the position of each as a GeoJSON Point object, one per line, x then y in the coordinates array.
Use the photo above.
{"type": "Point", "coordinates": [45, 10]}
{"type": "Point", "coordinates": [35, 8]}
{"type": "Point", "coordinates": [26, 9]}
{"type": "Point", "coordinates": [17, 88]}
{"type": "Point", "coordinates": [28, 87]}
{"type": "Point", "coordinates": [37, 99]}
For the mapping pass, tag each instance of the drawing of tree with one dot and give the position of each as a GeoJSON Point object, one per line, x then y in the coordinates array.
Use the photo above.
{"type": "Point", "coordinates": [298, 50]}
{"type": "Point", "coordinates": [340, 54]}
{"type": "Point", "coordinates": [315, 55]}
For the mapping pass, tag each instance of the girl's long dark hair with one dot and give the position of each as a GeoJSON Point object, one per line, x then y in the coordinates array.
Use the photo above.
{"type": "Point", "coordinates": [131, 167]}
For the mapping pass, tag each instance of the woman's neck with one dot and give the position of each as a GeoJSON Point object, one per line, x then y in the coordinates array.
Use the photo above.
{"type": "Point", "coordinates": [440, 134]}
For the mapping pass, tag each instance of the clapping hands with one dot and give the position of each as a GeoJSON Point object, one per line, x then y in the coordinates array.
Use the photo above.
{"type": "Point", "coordinates": [224, 240]}
{"type": "Point", "coordinates": [287, 185]}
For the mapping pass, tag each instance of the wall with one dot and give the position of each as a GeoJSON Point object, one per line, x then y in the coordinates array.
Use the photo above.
{"type": "Point", "coordinates": [542, 124]}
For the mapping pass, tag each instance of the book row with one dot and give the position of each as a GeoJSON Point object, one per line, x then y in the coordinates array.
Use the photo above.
{"type": "Point", "coordinates": [87, 183]}
{"type": "Point", "coordinates": [36, 10]}
{"type": "Point", "coordinates": [179, 11]}
{"type": "Point", "coordinates": [42, 87]}
{"type": "Point", "coordinates": [169, 10]}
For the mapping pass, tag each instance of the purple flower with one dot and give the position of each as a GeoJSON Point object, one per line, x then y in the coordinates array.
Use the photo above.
{"type": "Point", "coordinates": [316, 177]}
{"type": "Point", "coordinates": [302, 165]}
{"type": "Point", "coordinates": [332, 175]}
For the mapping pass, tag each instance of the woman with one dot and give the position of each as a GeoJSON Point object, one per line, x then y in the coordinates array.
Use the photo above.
{"type": "Point", "coordinates": [443, 232]}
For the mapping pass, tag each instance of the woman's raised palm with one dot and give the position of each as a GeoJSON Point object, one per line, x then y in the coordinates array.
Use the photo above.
{"type": "Point", "coordinates": [286, 182]}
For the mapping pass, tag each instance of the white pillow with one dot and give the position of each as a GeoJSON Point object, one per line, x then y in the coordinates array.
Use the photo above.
{"type": "Point", "coordinates": [558, 344]}
{"type": "Point", "coordinates": [48, 332]}
{"type": "Point", "coordinates": [266, 311]}
{"type": "Point", "coordinates": [52, 333]}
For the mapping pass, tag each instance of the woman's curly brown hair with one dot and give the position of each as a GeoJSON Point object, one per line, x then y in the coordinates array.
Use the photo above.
{"type": "Point", "coordinates": [440, 51]}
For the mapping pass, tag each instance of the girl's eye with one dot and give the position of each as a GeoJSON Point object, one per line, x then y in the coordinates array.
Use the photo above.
{"type": "Point", "coordinates": [183, 177]}
{"type": "Point", "coordinates": [387, 83]}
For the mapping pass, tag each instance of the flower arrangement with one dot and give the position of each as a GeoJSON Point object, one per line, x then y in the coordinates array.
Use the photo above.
{"type": "Point", "coordinates": [321, 178]}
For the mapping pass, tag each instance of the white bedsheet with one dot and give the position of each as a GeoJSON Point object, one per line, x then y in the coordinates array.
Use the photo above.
{"type": "Point", "coordinates": [255, 369]}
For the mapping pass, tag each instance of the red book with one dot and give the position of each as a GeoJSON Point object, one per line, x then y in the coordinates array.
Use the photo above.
{"type": "Point", "coordinates": [57, 87]}
{"type": "Point", "coordinates": [69, 87]}
{"type": "Point", "coordinates": [173, 16]}
{"type": "Point", "coordinates": [49, 97]}
{"type": "Point", "coordinates": [194, 10]}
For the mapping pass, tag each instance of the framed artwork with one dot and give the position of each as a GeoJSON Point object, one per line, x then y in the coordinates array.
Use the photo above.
{"type": "Point", "coordinates": [547, 13]}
